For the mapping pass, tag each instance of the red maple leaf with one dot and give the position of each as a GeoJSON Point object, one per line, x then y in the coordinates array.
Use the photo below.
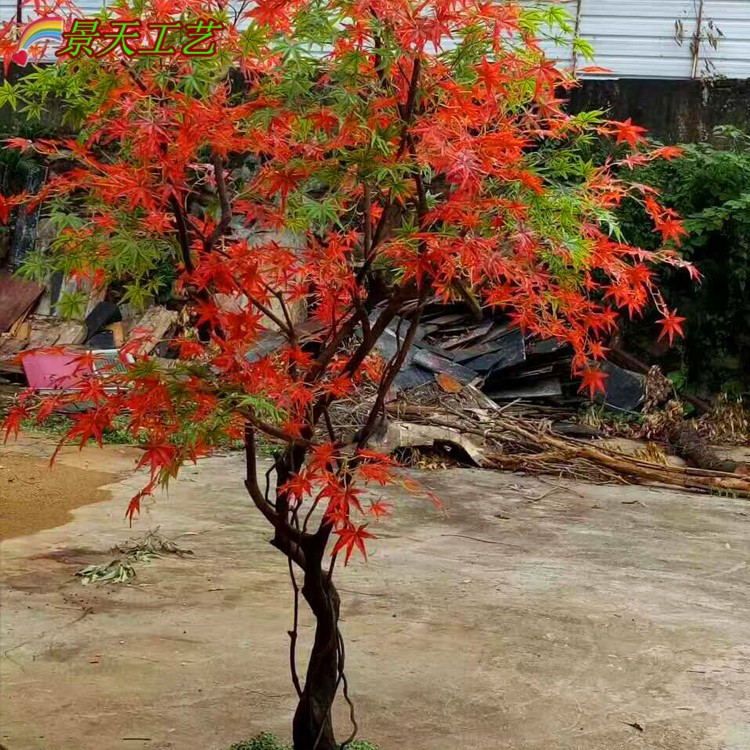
{"type": "Point", "coordinates": [667, 153]}
{"type": "Point", "coordinates": [351, 538]}
{"type": "Point", "coordinates": [4, 209]}
{"type": "Point", "coordinates": [13, 420]}
{"type": "Point", "coordinates": [157, 457]}
{"type": "Point", "coordinates": [671, 229]}
{"type": "Point", "coordinates": [671, 324]}
{"type": "Point", "coordinates": [380, 509]}
{"type": "Point", "coordinates": [627, 132]}
{"type": "Point", "coordinates": [592, 378]}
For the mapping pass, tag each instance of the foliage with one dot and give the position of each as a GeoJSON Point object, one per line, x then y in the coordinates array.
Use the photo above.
{"type": "Point", "coordinates": [323, 144]}
{"type": "Point", "coordinates": [58, 425]}
{"type": "Point", "coordinates": [115, 571]}
{"type": "Point", "coordinates": [16, 170]}
{"type": "Point", "coordinates": [263, 741]}
{"type": "Point", "coordinates": [709, 185]}
{"type": "Point", "coordinates": [151, 546]}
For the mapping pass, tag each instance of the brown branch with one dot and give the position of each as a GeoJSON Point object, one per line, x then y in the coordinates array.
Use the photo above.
{"type": "Point", "coordinates": [287, 539]}
{"type": "Point", "coordinates": [275, 432]}
{"type": "Point", "coordinates": [406, 111]}
{"type": "Point", "coordinates": [345, 331]}
{"type": "Point", "coordinates": [389, 376]}
{"type": "Point", "coordinates": [422, 206]}
{"type": "Point", "coordinates": [293, 633]}
{"type": "Point", "coordinates": [345, 682]}
{"type": "Point", "coordinates": [291, 333]}
{"type": "Point", "coordinates": [367, 211]}
{"type": "Point", "coordinates": [182, 233]}
{"type": "Point", "coordinates": [288, 331]}
{"type": "Point", "coordinates": [329, 425]}
{"type": "Point", "coordinates": [364, 348]}
{"type": "Point", "coordinates": [226, 210]}
{"type": "Point", "coordinates": [311, 510]}
{"type": "Point", "coordinates": [385, 82]}
{"type": "Point", "coordinates": [251, 477]}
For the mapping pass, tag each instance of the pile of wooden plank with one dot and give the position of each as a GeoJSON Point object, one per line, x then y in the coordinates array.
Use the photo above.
{"type": "Point", "coordinates": [484, 348]}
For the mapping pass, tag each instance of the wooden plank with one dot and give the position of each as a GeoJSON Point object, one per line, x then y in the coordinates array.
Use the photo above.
{"type": "Point", "coordinates": [9, 348]}
{"type": "Point", "coordinates": [51, 331]}
{"type": "Point", "coordinates": [17, 297]}
{"type": "Point", "coordinates": [543, 388]}
{"type": "Point", "coordinates": [152, 328]}
{"type": "Point", "coordinates": [472, 335]}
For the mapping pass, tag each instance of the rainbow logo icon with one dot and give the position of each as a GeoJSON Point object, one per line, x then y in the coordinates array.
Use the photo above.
{"type": "Point", "coordinates": [47, 30]}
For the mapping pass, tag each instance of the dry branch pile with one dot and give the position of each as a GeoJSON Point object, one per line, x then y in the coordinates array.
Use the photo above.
{"type": "Point", "coordinates": [516, 442]}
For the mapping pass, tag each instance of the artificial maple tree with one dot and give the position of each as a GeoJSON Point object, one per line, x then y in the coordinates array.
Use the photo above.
{"type": "Point", "coordinates": [350, 158]}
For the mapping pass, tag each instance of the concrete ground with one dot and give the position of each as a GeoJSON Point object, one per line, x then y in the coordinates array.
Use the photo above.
{"type": "Point", "coordinates": [533, 616]}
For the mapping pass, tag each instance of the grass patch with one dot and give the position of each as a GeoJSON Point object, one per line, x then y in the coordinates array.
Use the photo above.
{"type": "Point", "coordinates": [58, 425]}
{"type": "Point", "coordinates": [267, 741]}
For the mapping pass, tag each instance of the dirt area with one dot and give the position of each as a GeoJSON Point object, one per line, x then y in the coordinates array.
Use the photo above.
{"type": "Point", "coordinates": [530, 616]}
{"type": "Point", "coordinates": [35, 498]}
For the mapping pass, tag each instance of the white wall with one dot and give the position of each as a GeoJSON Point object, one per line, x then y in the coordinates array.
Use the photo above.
{"type": "Point", "coordinates": [641, 38]}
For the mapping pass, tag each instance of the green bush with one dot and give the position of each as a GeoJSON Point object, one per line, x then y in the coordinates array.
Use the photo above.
{"type": "Point", "coordinates": [710, 187]}
{"type": "Point", "coordinates": [267, 741]}
{"type": "Point", "coordinates": [263, 741]}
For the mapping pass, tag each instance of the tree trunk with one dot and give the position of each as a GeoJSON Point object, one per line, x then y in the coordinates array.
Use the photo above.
{"type": "Point", "coordinates": [312, 728]}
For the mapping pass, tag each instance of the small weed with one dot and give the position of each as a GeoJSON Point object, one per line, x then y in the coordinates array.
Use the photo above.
{"type": "Point", "coordinates": [267, 741]}
{"type": "Point", "coordinates": [149, 547]}
{"type": "Point", "coordinates": [115, 571]}
{"type": "Point", "coordinates": [153, 544]}
{"type": "Point", "coordinates": [263, 741]}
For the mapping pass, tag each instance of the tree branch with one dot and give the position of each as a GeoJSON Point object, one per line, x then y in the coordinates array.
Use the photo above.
{"type": "Point", "coordinates": [390, 374]}
{"type": "Point", "coordinates": [226, 210]}
{"type": "Point", "coordinates": [287, 539]}
{"type": "Point", "coordinates": [367, 210]}
{"type": "Point", "coordinates": [288, 331]}
{"type": "Point", "coordinates": [182, 233]}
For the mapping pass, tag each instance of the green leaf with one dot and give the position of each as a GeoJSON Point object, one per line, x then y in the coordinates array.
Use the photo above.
{"type": "Point", "coordinates": [72, 304]}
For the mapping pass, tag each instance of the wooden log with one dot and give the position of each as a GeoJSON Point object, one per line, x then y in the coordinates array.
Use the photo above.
{"type": "Point", "coordinates": [52, 331]}
{"type": "Point", "coordinates": [497, 428]}
{"type": "Point", "coordinates": [696, 479]}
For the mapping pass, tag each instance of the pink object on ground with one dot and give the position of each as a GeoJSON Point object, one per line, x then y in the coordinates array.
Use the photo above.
{"type": "Point", "coordinates": [53, 370]}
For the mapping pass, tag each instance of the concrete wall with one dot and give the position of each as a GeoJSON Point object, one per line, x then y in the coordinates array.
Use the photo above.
{"type": "Point", "coordinates": [673, 111]}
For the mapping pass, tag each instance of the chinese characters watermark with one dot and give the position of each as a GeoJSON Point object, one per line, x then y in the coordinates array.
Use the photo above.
{"type": "Point", "coordinates": [95, 38]}
{"type": "Point", "coordinates": [89, 37]}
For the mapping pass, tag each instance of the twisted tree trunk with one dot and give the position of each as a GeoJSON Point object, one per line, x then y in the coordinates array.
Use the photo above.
{"type": "Point", "coordinates": [312, 728]}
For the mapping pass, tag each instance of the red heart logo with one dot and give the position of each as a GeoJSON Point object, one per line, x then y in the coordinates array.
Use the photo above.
{"type": "Point", "coordinates": [20, 57]}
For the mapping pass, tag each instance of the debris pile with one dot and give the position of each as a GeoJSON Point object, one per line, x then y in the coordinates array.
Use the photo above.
{"type": "Point", "coordinates": [472, 388]}
{"type": "Point", "coordinates": [457, 342]}
{"type": "Point", "coordinates": [27, 324]}
{"type": "Point", "coordinates": [500, 440]}
{"type": "Point", "coordinates": [483, 348]}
